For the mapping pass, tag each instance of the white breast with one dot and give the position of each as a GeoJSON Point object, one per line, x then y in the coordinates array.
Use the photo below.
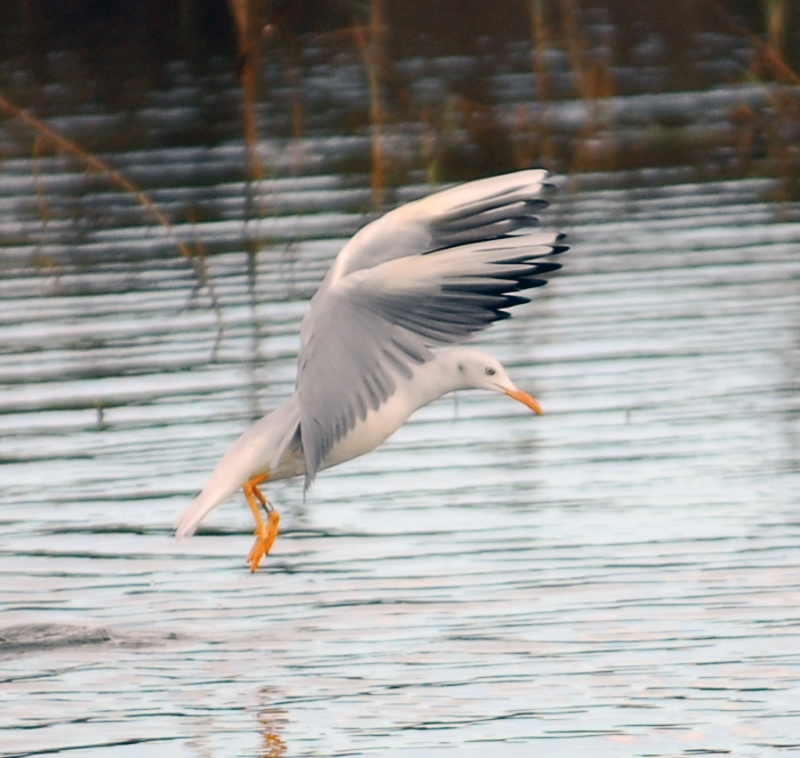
{"type": "Point", "coordinates": [427, 383]}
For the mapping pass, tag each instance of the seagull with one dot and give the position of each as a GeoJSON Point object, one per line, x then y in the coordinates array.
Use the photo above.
{"type": "Point", "coordinates": [381, 337]}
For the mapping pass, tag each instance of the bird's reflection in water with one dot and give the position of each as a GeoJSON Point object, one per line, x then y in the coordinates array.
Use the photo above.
{"type": "Point", "coordinates": [274, 746]}
{"type": "Point", "coordinates": [272, 721]}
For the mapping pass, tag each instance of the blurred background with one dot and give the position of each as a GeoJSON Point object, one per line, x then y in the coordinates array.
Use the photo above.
{"type": "Point", "coordinates": [452, 89]}
{"type": "Point", "coordinates": [619, 577]}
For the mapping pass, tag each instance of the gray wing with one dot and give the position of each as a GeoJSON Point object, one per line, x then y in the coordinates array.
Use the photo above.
{"type": "Point", "coordinates": [479, 210]}
{"type": "Point", "coordinates": [370, 326]}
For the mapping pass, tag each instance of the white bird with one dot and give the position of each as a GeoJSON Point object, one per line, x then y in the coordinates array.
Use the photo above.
{"type": "Point", "coordinates": [428, 274]}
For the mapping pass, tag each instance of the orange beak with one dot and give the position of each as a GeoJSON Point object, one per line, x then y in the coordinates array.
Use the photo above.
{"type": "Point", "coordinates": [525, 399]}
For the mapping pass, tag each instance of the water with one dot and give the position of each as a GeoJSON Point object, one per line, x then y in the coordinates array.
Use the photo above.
{"type": "Point", "coordinates": [619, 577]}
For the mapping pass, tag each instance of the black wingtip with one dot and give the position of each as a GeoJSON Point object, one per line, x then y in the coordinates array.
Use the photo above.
{"type": "Point", "coordinates": [509, 301]}
{"type": "Point", "coordinates": [529, 282]}
{"type": "Point", "coordinates": [545, 267]}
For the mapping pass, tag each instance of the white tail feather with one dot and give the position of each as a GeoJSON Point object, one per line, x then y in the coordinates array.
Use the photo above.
{"type": "Point", "coordinates": [253, 453]}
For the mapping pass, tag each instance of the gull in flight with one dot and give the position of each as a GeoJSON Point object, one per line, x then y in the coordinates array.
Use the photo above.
{"type": "Point", "coordinates": [381, 337]}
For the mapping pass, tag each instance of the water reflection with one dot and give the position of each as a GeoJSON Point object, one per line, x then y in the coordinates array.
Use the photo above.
{"type": "Point", "coordinates": [273, 721]}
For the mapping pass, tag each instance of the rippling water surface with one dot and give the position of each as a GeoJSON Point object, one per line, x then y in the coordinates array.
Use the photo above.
{"type": "Point", "coordinates": [619, 577]}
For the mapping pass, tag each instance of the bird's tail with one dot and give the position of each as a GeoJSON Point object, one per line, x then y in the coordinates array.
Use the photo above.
{"type": "Point", "coordinates": [259, 450]}
{"type": "Point", "coordinates": [213, 494]}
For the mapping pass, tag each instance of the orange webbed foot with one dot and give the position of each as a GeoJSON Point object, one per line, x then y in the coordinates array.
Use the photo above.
{"type": "Point", "coordinates": [265, 533]}
{"type": "Point", "coordinates": [265, 537]}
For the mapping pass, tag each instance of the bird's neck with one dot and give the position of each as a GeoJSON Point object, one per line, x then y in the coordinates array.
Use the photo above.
{"type": "Point", "coordinates": [435, 378]}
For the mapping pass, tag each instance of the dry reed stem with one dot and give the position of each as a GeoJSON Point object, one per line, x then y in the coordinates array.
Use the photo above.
{"type": "Point", "coordinates": [784, 100]}
{"type": "Point", "coordinates": [576, 48]}
{"type": "Point", "coordinates": [45, 135]}
{"type": "Point", "coordinates": [63, 145]}
{"type": "Point", "coordinates": [540, 39]}
{"type": "Point", "coordinates": [249, 38]}
{"type": "Point", "coordinates": [594, 83]}
{"type": "Point", "coordinates": [370, 47]}
{"type": "Point", "coordinates": [251, 31]}
{"type": "Point", "coordinates": [776, 11]}
{"type": "Point", "coordinates": [770, 55]}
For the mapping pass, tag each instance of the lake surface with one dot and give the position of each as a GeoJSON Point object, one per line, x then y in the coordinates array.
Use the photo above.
{"type": "Point", "coordinates": [619, 577]}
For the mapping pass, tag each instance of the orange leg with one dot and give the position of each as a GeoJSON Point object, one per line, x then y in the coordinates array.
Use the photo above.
{"type": "Point", "coordinates": [265, 533]}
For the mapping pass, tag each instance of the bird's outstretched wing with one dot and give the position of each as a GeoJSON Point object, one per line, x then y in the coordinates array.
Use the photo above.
{"type": "Point", "coordinates": [479, 210]}
{"type": "Point", "coordinates": [429, 273]}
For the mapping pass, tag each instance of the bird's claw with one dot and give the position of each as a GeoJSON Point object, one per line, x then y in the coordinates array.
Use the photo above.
{"type": "Point", "coordinates": [265, 537]}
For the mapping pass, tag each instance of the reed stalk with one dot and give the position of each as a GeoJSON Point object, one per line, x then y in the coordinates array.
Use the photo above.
{"type": "Point", "coordinates": [776, 13]}
{"type": "Point", "coordinates": [65, 146]}
{"type": "Point", "coordinates": [370, 43]}
{"type": "Point", "coordinates": [47, 136]}
{"type": "Point", "coordinates": [248, 32]}
{"type": "Point", "coordinates": [540, 39]}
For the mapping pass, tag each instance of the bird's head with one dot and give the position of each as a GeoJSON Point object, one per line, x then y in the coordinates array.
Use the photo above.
{"type": "Point", "coordinates": [478, 370]}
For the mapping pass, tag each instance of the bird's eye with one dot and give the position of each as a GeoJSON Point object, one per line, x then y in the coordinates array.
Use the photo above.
{"type": "Point", "coordinates": [490, 371]}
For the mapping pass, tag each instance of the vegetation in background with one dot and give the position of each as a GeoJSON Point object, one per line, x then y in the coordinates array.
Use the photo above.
{"type": "Point", "coordinates": [579, 50]}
